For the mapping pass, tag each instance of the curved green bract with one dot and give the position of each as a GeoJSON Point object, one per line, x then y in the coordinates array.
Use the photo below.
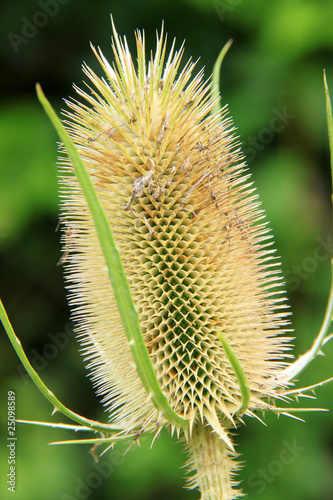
{"type": "Point", "coordinates": [121, 290]}
{"type": "Point", "coordinates": [216, 77]}
{"type": "Point", "coordinates": [239, 372]}
{"type": "Point", "coordinates": [295, 368]}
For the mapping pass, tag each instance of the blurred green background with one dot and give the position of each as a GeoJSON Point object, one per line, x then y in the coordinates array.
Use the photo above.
{"type": "Point", "coordinates": [272, 81]}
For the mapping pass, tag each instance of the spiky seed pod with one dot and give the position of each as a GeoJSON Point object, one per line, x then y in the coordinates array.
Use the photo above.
{"type": "Point", "coordinates": [195, 247]}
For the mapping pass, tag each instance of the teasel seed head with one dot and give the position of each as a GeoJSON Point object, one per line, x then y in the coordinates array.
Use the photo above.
{"type": "Point", "coordinates": [195, 247]}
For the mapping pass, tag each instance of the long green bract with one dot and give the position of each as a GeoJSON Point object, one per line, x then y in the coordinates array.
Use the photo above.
{"type": "Point", "coordinates": [322, 338]}
{"type": "Point", "coordinates": [58, 406]}
{"type": "Point", "coordinates": [110, 440]}
{"type": "Point", "coordinates": [119, 282]}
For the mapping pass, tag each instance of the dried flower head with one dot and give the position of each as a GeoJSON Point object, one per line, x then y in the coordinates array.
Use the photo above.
{"type": "Point", "coordinates": [194, 243]}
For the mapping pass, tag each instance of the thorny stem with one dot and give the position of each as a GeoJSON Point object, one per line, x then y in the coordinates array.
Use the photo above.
{"type": "Point", "coordinates": [214, 465]}
{"type": "Point", "coordinates": [109, 439]}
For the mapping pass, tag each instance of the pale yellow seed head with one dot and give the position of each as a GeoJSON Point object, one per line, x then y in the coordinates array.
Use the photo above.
{"type": "Point", "coordinates": [193, 240]}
